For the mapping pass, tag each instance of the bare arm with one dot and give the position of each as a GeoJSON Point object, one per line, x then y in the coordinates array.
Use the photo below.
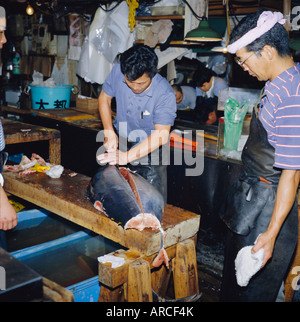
{"type": "Point", "coordinates": [8, 215]}
{"type": "Point", "coordinates": [286, 193]}
{"type": "Point", "coordinates": [157, 138]}
{"type": "Point", "coordinates": [111, 140]}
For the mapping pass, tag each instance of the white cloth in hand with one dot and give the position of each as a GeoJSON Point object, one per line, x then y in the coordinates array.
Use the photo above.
{"type": "Point", "coordinates": [247, 264]}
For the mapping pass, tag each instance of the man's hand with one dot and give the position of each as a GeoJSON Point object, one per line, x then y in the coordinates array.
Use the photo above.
{"type": "Point", "coordinates": [265, 241]}
{"type": "Point", "coordinates": [285, 197]}
{"type": "Point", "coordinates": [113, 157]}
{"type": "Point", "coordinates": [8, 215]}
{"type": "Point", "coordinates": [110, 141]}
{"type": "Point", "coordinates": [212, 118]}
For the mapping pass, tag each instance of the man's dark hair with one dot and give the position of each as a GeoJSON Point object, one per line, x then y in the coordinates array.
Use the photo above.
{"type": "Point", "coordinates": [177, 88]}
{"type": "Point", "coordinates": [202, 75]}
{"type": "Point", "coordinates": [277, 37]}
{"type": "Point", "coordinates": [138, 60]}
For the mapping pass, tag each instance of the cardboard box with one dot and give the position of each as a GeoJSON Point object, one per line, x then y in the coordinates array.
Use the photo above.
{"type": "Point", "coordinates": [87, 104]}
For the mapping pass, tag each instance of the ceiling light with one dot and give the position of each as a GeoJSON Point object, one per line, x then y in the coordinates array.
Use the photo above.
{"type": "Point", "coordinates": [29, 10]}
{"type": "Point", "coordinates": [203, 33]}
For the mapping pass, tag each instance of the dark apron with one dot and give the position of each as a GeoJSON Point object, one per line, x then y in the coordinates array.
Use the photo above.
{"type": "Point", "coordinates": [257, 186]}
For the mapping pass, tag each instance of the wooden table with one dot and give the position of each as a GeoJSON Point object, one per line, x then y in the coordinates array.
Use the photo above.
{"type": "Point", "coordinates": [66, 197]}
{"type": "Point", "coordinates": [18, 132]}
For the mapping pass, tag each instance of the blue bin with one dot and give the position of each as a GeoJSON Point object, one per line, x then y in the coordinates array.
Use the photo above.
{"type": "Point", "coordinates": [86, 291]}
{"type": "Point", "coordinates": [50, 97]}
{"type": "Point", "coordinates": [69, 260]}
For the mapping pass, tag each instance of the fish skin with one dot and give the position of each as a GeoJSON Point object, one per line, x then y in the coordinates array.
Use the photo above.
{"type": "Point", "coordinates": [151, 199]}
{"type": "Point", "coordinates": [110, 188]}
{"type": "Point", "coordinates": [129, 199]}
{"type": "Point", "coordinates": [119, 200]}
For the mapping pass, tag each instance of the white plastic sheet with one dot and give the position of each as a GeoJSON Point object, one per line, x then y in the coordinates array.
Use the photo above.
{"type": "Point", "coordinates": [109, 35]}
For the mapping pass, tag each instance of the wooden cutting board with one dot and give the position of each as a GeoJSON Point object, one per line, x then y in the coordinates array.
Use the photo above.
{"type": "Point", "coordinates": [66, 197]}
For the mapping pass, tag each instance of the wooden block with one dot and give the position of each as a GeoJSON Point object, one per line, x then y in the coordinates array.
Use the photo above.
{"type": "Point", "coordinates": [111, 295]}
{"type": "Point", "coordinates": [139, 282]}
{"type": "Point", "coordinates": [113, 277]}
{"type": "Point", "coordinates": [185, 270]}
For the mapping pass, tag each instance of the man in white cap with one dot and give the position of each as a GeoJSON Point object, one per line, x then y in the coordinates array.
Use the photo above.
{"type": "Point", "coordinates": [2, 27]}
{"type": "Point", "coordinates": [8, 216]}
{"type": "Point", "coordinates": [262, 208]}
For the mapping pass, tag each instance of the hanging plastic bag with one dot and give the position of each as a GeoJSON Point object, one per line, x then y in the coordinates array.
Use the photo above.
{"type": "Point", "coordinates": [113, 36]}
{"type": "Point", "coordinates": [60, 73]}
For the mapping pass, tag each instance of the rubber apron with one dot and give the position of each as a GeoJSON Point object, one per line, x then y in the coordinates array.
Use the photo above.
{"type": "Point", "coordinates": [262, 178]}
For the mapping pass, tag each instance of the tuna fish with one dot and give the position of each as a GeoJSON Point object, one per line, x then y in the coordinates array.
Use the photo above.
{"type": "Point", "coordinates": [131, 201]}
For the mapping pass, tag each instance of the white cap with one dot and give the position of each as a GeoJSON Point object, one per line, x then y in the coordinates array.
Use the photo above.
{"type": "Point", "coordinates": [2, 19]}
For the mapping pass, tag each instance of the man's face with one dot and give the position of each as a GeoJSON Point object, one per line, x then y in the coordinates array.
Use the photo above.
{"type": "Point", "coordinates": [139, 85]}
{"type": "Point", "coordinates": [2, 38]}
{"type": "Point", "coordinates": [179, 97]}
{"type": "Point", "coordinates": [2, 27]}
{"type": "Point", "coordinates": [205, 87]}
{"type": "Point", "coordinates": [253, 63]}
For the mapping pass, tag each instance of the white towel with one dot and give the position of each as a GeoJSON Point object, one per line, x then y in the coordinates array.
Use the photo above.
{"type": "Point", "coordinates": [247, 264]}
{"type": "Point", "coordinates": [114, 260]}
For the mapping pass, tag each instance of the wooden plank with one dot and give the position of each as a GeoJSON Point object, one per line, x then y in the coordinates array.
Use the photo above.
{"type": "Point", "coordinates": [18, 132]}
{"type": "Point", "coordinates": [63, 114]}
{"type": "Point", "coordinates": [56, 293]}
{"type": "Point", "coordinates": [66, 197]}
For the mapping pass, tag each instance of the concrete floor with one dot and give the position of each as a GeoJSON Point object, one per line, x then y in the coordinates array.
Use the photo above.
{"type": "Point", "coordinates": [210, 256]}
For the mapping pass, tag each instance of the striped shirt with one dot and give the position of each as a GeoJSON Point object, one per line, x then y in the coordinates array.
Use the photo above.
{"type": "Point", "coordinates": [280, 116]}
{"type": "Point", "coordinates": [2, 142]}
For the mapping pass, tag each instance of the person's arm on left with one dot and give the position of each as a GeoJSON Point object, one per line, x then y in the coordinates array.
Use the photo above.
{"type": "Point", "coordinates": [158, 137]}
{"type": "Point", "coordinates": [8, 215]}
{"type": "Point", "coordinates": [286, 193]}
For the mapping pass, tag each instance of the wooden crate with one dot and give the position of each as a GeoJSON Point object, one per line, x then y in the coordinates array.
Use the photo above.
{"type": "Point", "coordinates": [87, 104]}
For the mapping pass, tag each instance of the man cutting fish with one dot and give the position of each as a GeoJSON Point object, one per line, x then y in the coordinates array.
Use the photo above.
{"type": "Point", "coordinates": [146, 109]}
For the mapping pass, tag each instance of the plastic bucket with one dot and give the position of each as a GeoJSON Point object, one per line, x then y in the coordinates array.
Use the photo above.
{"type": "Point", "coordinates": [50, 97]}
{"type": "Point", "coordinates": [232, 135]}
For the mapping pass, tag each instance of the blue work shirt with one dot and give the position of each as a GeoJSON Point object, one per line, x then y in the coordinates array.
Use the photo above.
{"type": "Point", "coordinates": [156, 105]}
{"type": "Point", "coordinates": [218, 84]}
{"type": "Point", "coordinates": [2, 141]}
{"type": "Point", "coordinates": [280, 116]}
{"type": "Point", "coordinates": [188, 98]}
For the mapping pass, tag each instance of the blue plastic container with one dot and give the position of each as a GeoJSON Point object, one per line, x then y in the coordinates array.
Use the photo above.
{"type": "Point", "coordinates": [50, 97]}
{"type": "Point", "coordinates": [70, 259]}
{"type": "Point", "coordinates": [86, 291]}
